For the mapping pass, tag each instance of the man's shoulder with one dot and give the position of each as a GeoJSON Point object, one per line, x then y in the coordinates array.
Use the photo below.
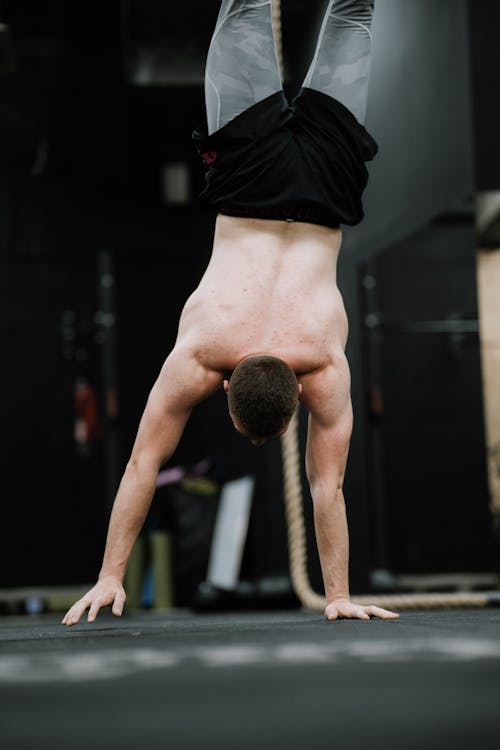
{"type": "Point", "coordinates": [326, 392]}
{"type": "Point", "coordinates": [184, 379]}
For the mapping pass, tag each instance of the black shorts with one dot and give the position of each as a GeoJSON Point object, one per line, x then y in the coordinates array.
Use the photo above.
{"type": "Point", "coordinates": [303, 161]}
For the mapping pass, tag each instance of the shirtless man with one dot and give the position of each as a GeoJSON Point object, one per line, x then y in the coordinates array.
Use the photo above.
{"type": "Point", "coordinates": [267, 321]}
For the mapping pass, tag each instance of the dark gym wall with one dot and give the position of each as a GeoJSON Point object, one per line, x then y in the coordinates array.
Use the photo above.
{"type": "Point", "coordinates": [425, 425]}
{"type": "Point", "coordinates": [419, 111]}
{"type": "Point", "coordinates": [484, 16]}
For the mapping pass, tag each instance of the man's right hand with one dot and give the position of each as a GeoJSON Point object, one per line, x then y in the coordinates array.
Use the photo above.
{"type": "Point", "coordinates": [108, 590]}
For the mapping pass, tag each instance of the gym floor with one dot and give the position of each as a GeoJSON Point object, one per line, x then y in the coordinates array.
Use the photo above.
{"type": "Point", "coordinates": [275, 679]}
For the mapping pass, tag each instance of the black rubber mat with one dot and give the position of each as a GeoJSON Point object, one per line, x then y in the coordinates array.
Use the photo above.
{"type": "Point", "coordinates": [285, 679]}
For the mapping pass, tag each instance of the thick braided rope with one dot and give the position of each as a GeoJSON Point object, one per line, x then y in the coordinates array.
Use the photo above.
{"type": "Point", "coordinates": [298, 554]}
{"type": "Point", "coordinates": [278, 35]}
{"type": "Point", "coordinates": [295, 519]}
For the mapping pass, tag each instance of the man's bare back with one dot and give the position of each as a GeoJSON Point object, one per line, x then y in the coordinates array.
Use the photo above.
{"type": "Point", "coordinates": [270, 287]}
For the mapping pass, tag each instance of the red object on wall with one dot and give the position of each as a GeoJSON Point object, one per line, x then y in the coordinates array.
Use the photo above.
{"type": "Point", "coordinates": [87, 422]}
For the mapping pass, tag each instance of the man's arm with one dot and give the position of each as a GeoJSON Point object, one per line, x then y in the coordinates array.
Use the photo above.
{"type": "Point", "coordinates": [327, 395]}
{"type": "Point", "coordinates": [181, 384]}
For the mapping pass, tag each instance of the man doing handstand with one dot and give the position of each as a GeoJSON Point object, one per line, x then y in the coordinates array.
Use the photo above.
{"type": "Point", "coordinates": [267, 321]}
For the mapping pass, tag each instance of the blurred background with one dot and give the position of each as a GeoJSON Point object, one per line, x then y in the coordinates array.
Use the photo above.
{"type": "Point", "coordinates": [102, 240]}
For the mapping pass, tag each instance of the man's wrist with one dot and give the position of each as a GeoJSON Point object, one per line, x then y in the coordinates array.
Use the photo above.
{"type": "Point", "coordinates": [111, 573]}
{"type": "Point", "coordinates": [338, 595]}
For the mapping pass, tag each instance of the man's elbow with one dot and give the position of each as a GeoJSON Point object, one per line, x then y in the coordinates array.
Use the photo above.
{"type": "Point", "coordinates": [325, 490]}
{"type": "Point", "coordinates": [142, 464]}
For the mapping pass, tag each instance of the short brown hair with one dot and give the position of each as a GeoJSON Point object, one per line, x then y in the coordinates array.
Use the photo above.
{"type": "Point", "coordinates": [263, 395]}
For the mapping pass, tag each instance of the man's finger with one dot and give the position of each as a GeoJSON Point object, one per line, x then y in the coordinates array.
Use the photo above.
{"type": "Point", "coordinates": [331, 614]}
{"type": "Point", "coordinates": [361, 615]}
{"type": "Point", "coordinates": [94, 609]}
{"type": "Point", "coordinates": [384, 614]}
{"type": "Point", "coordinates": [76, 612]}
{"type": "Point", "coordinates": [118, 603]}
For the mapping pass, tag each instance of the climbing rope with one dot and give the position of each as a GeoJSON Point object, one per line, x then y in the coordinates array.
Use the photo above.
{"type": "Point", "coordinates": [297, 550]}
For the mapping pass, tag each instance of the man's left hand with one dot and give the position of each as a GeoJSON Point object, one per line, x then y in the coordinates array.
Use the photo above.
{"type": "Point", "coordinates": [345, 609]}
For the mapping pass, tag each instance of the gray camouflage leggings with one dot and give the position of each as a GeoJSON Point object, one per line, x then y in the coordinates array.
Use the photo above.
{"type": "Point", "coordinates": [242, 65]}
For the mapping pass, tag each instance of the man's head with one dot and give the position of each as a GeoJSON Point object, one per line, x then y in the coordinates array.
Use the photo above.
{"type": "Point", "coordinates": [262, 395]}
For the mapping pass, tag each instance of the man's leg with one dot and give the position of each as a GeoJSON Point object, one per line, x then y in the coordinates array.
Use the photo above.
{"type": "Point", "coordinates": [242, 65]}
{"type": "Point", "coordinates": [341, 62]}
